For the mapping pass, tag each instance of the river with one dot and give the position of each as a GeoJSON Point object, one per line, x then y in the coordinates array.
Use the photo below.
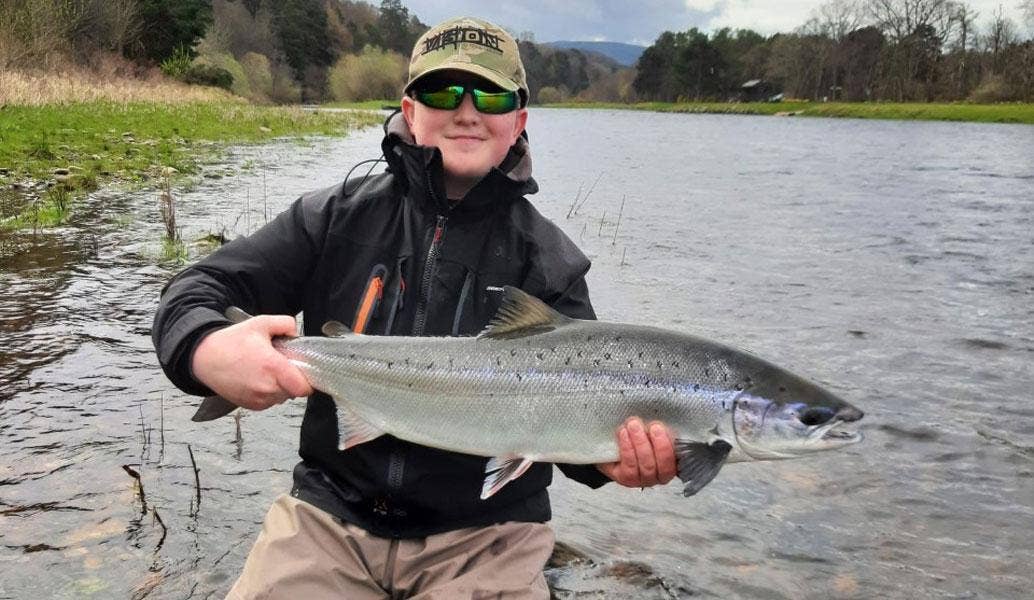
{"type": "Point", "coordinates": [891, 261]}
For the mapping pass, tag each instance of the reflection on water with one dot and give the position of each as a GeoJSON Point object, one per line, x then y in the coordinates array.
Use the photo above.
{"type": "Point", "coordinates": [893, 262]}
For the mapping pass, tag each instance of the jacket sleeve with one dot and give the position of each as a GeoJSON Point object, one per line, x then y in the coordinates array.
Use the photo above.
{"type": "Point", "coordinates": [262, 273]}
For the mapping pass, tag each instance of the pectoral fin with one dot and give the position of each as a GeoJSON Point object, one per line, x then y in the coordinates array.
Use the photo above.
{"type": "Point", "coordinates": [353, 429]}
{"type": "Point", "coordinates": [213, 407]}
{"type": "Point", "coordinates": [501, 471]}
{"type": "Point", "coordinates": [698, 463]}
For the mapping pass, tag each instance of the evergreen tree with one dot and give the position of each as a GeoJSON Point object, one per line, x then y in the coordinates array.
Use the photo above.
{"type": "Point", "coordinates": [169, 25]}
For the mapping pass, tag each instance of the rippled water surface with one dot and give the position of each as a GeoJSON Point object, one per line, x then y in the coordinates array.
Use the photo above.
{"type": "Point", "coordinates": [891, 261]}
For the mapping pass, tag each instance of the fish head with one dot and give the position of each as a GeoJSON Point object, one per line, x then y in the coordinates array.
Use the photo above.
{"type": "Point", "coordinates": [790, 417]}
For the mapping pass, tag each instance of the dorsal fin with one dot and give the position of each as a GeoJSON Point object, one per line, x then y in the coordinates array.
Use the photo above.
{"type": "Point", "coordinates": [522, 314]}
{"type": "Point", "coordinates": [236, 315]}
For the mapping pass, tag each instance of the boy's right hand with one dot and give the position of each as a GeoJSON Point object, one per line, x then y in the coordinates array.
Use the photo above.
{"type": "Point", "coordinates": [240, 364]}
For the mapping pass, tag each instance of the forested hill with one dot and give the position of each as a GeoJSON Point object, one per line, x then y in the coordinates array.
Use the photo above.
{"type": "Point", "coordinates": [625, 55]}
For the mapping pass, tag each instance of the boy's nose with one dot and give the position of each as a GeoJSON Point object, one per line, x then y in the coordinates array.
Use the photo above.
{"type": "Point", "coordinates": [466, 110]}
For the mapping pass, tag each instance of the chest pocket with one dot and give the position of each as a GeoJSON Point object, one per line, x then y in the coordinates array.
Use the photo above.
{"type": "Point", "coordinates": [381, 300]}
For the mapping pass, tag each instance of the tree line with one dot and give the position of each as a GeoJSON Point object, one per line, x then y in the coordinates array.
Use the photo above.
{"type": "Point", "coordinates": [284, 51]}
{"type": "Point", "coordinates": [853, 50]}
{"type": "Point", "coordinates": [277, 51]}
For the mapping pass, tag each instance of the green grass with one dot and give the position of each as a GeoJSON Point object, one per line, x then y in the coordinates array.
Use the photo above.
{"type": "Point", "coordinates": [980, 113]}
{"type": "Point", "coordinates": [105, 141]}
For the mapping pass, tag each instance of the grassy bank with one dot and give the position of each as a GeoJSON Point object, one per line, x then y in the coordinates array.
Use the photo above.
{"type": "Point", "coordinates": [979, 113]}
{"type": "Point", "coordinates": [365, 104]}
{"type": "Point", "coordinates": [78, 146]}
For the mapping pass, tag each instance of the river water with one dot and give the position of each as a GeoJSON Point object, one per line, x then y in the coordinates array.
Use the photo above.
{"type": "Point", "coordinates": [891, 261]}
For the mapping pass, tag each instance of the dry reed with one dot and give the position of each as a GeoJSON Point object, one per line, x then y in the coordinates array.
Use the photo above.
{"type": "Point", "coordinates": [27, 88]}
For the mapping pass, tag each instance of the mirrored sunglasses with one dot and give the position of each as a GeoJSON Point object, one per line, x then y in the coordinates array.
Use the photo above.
{"type": "Point", "coordinates": [451, 96]}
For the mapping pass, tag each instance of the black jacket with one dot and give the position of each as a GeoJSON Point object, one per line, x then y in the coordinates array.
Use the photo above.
{"type": "Point", "coordinates": [438, 262]}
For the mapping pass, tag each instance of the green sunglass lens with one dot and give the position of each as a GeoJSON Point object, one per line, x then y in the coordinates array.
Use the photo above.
{"type": "Point", "coordinates": [446, 98]}
{"type": "Point", "coordinates": [494, 103]}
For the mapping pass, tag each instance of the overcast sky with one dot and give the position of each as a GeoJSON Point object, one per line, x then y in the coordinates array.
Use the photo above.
{"type": "Point", "coordinates": [640, 22]}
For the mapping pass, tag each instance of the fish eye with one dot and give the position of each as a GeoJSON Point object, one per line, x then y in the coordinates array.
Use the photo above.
{"type": "Point", "coordinates": [816, 415]}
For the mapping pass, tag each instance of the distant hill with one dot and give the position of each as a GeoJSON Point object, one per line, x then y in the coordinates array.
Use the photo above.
{"type": "Point", "coordinates": [623, 54]}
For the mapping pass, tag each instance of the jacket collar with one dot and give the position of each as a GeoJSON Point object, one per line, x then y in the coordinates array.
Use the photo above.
{"type": "Point", "coordinates": [420, 167]}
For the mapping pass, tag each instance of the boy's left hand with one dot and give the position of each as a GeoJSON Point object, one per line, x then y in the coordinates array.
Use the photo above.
{"type": "Point", "coordinates": [647, 455]}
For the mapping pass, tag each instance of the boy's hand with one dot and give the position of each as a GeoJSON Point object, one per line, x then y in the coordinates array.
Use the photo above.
{"type": "Point", "coordinates": [647, 456]}
{"type": "Point", "coordinates": [240, 364]}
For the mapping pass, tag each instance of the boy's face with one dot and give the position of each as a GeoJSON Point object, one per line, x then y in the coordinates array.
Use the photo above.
{"type": "Point", "coordinates": [471, 142]}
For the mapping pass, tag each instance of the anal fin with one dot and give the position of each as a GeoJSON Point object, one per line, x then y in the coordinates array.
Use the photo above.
{"type": "Point", "coordinates": [501, 471]}
{"type": "Point", "coordinates": [353, 429]}
{"type": "Point", "coordinates": [698, 463]}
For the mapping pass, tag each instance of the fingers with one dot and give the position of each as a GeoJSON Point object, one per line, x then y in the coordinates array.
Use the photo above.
{"type": "Point", "coordinates": [274, 325]}
{"type": "Point", "coordinates": [647, 465]}
{"type": "Point", "coordinates": [664, 452]}
{"type": "Point", "coordinates": [291, 380]}
{"type": "Point", "coordinates": [647, 456]}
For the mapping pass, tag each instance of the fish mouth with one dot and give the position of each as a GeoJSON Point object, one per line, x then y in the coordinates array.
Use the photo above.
{"type": "Point", "coordinates": [833, 435]}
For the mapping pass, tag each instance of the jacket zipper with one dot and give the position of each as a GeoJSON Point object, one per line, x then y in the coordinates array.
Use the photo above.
{"type": "Point", "coordinates": [420, 320]}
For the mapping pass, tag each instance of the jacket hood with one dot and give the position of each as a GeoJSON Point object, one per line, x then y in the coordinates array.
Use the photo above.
{"type": "Point", "coordinates": [421, 168]}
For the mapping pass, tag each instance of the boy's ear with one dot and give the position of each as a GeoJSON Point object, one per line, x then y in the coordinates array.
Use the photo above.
{"type": "Point", "coordinates": [408, 110]}
{"type": "Point", "coordinates": [518, 127]}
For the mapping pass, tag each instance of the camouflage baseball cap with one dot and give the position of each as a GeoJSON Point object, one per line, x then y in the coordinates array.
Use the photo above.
{"type": "Point", "coordinates": [471, 45]}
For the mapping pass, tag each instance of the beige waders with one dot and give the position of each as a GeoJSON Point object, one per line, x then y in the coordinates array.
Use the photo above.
{"type": "Point", "coordinates": [304, 553]}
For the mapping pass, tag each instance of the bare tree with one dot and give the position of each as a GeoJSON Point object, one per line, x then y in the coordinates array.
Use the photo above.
{"type": "Point", "coordinates": [837, 18]}
{"type": "Point", "coordinates": [1027, 8]}
{"type": "Point", "coordinates": [899, 19]}
{"type": "Point", "coordinates": [1001, 33]}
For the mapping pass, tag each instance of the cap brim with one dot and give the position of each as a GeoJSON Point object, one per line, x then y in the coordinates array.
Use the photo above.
{"type": "Point", "coordinates": [503, 82]}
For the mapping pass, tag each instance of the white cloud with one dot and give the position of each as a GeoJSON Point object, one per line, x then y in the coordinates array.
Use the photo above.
{"type": "Point", "coordinates": [702, 5]}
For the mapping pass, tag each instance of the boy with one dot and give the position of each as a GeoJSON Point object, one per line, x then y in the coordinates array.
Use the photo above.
{"type": "Point", "coordinates": [414, 251]}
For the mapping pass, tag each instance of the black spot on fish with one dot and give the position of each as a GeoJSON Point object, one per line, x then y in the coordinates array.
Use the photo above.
{"type": "Point", "coordinates": [430, 366]}
{"type": "Point", "coordinates": [640, 355]}
{"type": "Point", "coordinates": [675, 364]}
{"type": "Point", "coordinates": [518, 376]}
{"type": "Point", "coordinates": [498, 362]}
{"type": "Point", "coordinates": [606, 355]}
{"type": "Point", "coordinates": [352, 356]}
{"type": "Point", "coordinates": [567, 360]}
{"type": "Point", "coordinates": [617, 338]}
{"type": "Point", "coordinates": [540, 355]}
{"type": "Point", "coordinates": [696, 387]}
{"type": "Point", "coordinates": [513, 352]}
{"type": "Point", "coordinates": [596, 362]}
{"type": "Point", "coordinates": [630, 363]}
{"type": "Point", "coordinates": [782, 389]}
{"type": "Point", "coordinates": [390, 363]}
